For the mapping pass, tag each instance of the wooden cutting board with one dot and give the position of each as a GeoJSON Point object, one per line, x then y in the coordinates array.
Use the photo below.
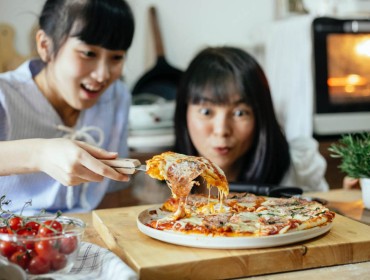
{"type": "Point", "coordinates": [347, 242]}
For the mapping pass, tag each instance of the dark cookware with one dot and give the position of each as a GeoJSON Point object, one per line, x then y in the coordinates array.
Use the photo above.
{"type": "Point", "coordinates": [268, 190]}
{"type": "Point", "coordinates": [273, 191]}
{"type": "Point", "coordinates": [163, 78]}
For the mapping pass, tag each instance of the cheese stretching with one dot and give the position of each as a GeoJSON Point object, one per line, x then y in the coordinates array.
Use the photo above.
{"type": "Point", "coordinates": [180, 171]}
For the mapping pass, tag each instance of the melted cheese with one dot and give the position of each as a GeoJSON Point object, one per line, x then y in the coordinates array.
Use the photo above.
{"type": "Point", "coordinates": [191, 220]}
{"type": "Point", "coordinates": [180, 170]}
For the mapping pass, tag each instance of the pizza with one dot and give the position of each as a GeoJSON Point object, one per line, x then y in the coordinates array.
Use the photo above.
{"type": "Point", "coordinates": [180, 171]}
{"type": "Point", "coordinates": [228, 214]}
{"type": "Point", "coordinates": [240, 214]}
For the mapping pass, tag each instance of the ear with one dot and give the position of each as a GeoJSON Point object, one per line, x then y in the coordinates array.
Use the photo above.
{"type": "Point", "coordinates": [44, 45]}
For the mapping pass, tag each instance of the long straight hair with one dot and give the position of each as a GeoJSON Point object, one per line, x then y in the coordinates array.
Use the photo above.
{"type": "Point", "coordinates": [211, 73]}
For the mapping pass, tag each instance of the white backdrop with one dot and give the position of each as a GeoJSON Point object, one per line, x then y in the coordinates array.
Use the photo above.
{"type": "Point", "coordinates": [186, 27]}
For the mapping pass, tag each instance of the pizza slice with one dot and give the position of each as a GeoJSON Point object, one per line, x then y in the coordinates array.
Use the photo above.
{"type": "Point", "coordinates": [180, 171]}
{"type": "Point", "coordinates": [283, 215]}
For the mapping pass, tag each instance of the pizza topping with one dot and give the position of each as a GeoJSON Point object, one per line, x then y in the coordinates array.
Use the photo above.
{"type": "Point", "coordinates": [216, 220]}
{"type": "Point", "coordinates": [265, 217]}
{"type": "Point", "coordinates": [180, 171]}
{"type": "Point", "coordinates": [234, 214]}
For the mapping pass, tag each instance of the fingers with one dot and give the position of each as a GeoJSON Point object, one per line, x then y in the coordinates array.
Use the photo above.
{"type": "Point", "coordinates": [97, 168]}
{"type": "Point", "coordinates": [96, 152]}
{"type": "Point", "coordinates": [75, 162]}
{"type": "Point", "coordinates": [81, 174]}
{"type": "Point", "coordinates": [351, 183]}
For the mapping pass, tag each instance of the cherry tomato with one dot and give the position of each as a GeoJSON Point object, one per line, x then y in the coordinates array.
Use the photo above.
{"type": "Point", "coordinates": [16, 223]}
{"type": "Point", "coordinates": [8, 248]}
{"type": "Point", "coordinates": [3, 230]}
{"type": "Point", "coordinates": [50, 227]}
{"type": "Point", "coordinates": [39, 265]}
{"type": "Point", "coordinates": [32, 225]}
{"type": "Point", "coordinates": [68, 245]}
{"type": "Point", "coordinates": [25, 232]}
{"type": "Point", "coordinates": [21, 258]}
{"type": "Point", "coordinates": [59, 261]}
{"type": "Point", "coordinates": [47, 248]}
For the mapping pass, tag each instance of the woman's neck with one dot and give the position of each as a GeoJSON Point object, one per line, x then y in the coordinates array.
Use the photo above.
{"type": "Point", "coordinates": [68, 114]}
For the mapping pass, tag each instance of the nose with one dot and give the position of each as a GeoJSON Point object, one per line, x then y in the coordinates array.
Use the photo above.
{"type": "Point", "coordinates": [102, 71]}
{"type": "Point", "coordinates": [222, 126]}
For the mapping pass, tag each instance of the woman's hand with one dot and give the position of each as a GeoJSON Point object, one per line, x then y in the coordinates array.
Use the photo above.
{"type": "Point", "coordinates": [67, 161]}
{"type": "Point", "coordinates": [75, 162]}
{"type": "Point", "coordinates": [351, 183]}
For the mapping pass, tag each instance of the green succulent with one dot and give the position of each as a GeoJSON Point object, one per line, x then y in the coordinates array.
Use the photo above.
{"type": "Point", "coordinates": [354, 150]}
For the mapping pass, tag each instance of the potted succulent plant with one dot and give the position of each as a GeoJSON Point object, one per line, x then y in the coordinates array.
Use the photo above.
{"type": "Point", "coordinates": [354, 151]}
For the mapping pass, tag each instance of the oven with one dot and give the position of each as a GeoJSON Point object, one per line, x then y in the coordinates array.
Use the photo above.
{"type": "Point", "coordinates": [341, 49]}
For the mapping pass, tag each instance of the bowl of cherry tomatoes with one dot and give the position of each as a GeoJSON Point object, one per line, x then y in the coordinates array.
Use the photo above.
{"type": "Point", "coordinates": [40, 244]}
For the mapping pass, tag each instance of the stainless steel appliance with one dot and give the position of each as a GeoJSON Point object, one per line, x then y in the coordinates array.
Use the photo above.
{"type": "Point", "coordinates": [342, 75]}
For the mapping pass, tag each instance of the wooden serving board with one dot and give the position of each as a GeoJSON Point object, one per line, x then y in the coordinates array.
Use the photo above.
{"type": "Point", "coordinates": [347, 242]}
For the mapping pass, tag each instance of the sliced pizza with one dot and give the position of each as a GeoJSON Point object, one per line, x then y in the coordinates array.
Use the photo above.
{"type": "Point", "coordinates": [241, 214]}
{"type": "Point", "coordinates": [228, 214]}
{"type": "Point", "coordinates": [180, 172]}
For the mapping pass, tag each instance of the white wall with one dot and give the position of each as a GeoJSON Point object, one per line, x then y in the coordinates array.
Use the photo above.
{"type": "Point", "coordinates": [186, 27]}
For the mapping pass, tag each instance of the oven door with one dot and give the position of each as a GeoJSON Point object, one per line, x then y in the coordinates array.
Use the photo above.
{"type": "Point", "coordinates": [342, 75]}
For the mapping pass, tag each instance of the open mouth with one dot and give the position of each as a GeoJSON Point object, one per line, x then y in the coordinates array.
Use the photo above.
{"type": "Point", "coordinates": [90, 90]}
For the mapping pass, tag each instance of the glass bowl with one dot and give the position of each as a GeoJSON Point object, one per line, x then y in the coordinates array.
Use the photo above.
{"type": "Point", "coordinates": [41, 244]}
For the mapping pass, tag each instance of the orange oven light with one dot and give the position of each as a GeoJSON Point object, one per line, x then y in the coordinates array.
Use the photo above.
{"type": "Point", "coordinates": [350, 80]}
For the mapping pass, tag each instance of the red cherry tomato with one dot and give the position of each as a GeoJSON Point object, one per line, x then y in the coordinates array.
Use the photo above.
{"type": "Point", "coordinates": [32, 225]}
{"type": "Point", "coordinates": [50, 227]}
{"type": "Point", "coordinates": [59, 261]}
{"type": "Point", "coordinates": [27, 232]}
{"type": "Point", "coordinates": [39, 265]}
{"type": "Point", "coordinates": [29, 244]}
{"type": "Point", "coordinates": [68, 245]}
{"type": "Point", "coordinates": [16, 223]}
{"type": "Point", "coordinates": [8, 248]}
{"type": "Point", "coordinates": [3, 230]}
{"type": "Point", "coordinates": [46, 249]}
{"type": "Point", "coordinates": [21, 258]}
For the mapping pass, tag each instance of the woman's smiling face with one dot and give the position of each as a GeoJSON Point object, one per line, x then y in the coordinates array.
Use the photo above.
{"type": "Point", "coordinates": [80, 73]}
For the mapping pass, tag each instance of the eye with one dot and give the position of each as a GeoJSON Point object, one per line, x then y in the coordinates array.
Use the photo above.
{"type": "Point", "coordinates": [118, 57]}
{"type": "Point", "coordinates": [205, 111]}
{"type": "Point", "coordinates": [242, 112]}
{"type": "Point", "coordinates": [88, 53]}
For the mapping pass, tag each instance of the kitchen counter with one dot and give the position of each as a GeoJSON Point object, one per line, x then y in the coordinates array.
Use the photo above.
{"type": "Point", "coordinates": [345, 202]}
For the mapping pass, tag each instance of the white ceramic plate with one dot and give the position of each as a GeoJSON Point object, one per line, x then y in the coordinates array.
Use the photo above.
{"type": "Point", "coordinates": [199, 241]}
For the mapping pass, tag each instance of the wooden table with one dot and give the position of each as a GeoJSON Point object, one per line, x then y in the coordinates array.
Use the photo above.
{"type": "Point", "coordinates": [345, 202]}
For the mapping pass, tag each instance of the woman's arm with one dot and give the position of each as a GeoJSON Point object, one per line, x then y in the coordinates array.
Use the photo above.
{"type": "Point", "coordinates": [69, 162]}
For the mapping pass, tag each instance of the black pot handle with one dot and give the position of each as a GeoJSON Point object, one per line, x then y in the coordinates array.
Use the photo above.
{"type": "Point", "coordinates": [266, 190]}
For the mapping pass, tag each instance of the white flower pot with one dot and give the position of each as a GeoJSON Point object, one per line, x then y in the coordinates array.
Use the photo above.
{"type": "Point", "coordinates": [365, 187]}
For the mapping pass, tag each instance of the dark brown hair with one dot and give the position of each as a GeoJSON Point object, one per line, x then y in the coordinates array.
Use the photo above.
{"type": "Point", "coordinates": [212, 72]}
{"type": "Point", "coordinates": [106, 23]}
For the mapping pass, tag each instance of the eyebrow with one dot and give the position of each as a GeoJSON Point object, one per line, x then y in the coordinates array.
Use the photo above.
{"type": "Point", "coordinates": [209, 100]}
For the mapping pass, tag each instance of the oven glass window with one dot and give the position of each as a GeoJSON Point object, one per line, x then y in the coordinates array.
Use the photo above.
{"type": "Point", "coordinates": [348, 68]}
